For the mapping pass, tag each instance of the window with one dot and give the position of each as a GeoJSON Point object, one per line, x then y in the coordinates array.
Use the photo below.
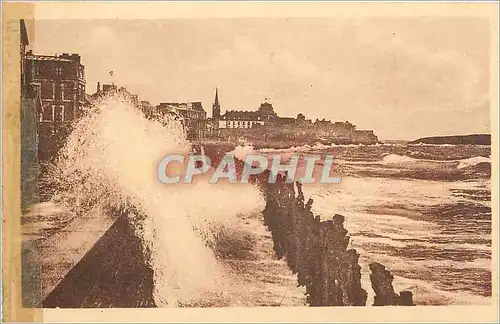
{"type": "Point", "coordinates": [69, 91]}
{"type": "Point", "coordinates": [47, 90]}
{"type": "Point", "coordinates": [38, 71]}
{"type": "Point", "coordinates": [58, 113]}
{"type": "Point", "coordinates": [47, 113]}
{"type": "Point", "coordinates": [59, 91]}
{"type": "Point", "coordinates": [59, 70]}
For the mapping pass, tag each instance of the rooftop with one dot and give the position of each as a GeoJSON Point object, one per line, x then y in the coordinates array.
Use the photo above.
{"type": "Point", "coordinates": [242, 115]}
{"type": "Point", "coordinates": [65, 57]}
{"type": "Point", "coordinates": [195, 105]}
{"type": "Point", "coordinates": [24, 34]}
{"type": "Point", "coordinates": [47, 58]}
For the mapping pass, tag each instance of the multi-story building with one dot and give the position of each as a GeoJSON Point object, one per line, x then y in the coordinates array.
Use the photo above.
{"type": "Point", "coordinates": [186, 110]}
{"type": "Point", "coordinates": [191, 114]}
{"type": "Point", "coordinates": [61, 79]}
{"type": "Point", "coordinates": [240, 119]}
{"type": "Point", "coordinates": [30, 104]}
{"type": "Point", "coordinates": [30, 93]}
{"type": "Point", "coordinates": [248, 119]}
{"type": "Point", "coordinates": [109, 89]}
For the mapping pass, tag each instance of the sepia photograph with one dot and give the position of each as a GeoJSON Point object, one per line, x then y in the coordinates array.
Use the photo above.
{"type": "Point", "coordinates": [271, 161]}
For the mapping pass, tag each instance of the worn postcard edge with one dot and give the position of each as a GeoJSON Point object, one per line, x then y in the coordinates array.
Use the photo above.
{"type": "Point", "coordinates": [11, 238]}
{"type": "Point", "coordinates": [11, 166]}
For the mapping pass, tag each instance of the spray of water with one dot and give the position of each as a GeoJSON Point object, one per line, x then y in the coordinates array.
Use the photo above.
{"type": "Point", "coordinates": [110, 162]}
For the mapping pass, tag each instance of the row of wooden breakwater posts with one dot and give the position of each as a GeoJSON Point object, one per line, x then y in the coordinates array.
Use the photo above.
{"type": "Point", "coordinates": [317, 251]}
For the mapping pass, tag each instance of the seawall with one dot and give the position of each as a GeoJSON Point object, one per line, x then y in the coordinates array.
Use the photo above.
{"type": "Point", "coordinates": [113, 273]}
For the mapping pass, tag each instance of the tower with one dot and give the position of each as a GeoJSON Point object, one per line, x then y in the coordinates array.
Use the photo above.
{"type": "Point", "coordinates": [216, 106]}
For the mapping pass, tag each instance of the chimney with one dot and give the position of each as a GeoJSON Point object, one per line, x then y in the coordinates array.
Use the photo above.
{"type": "Point", "coordinates": [98, 87]}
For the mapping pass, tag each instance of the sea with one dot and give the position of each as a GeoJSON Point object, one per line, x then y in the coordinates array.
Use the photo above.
{"type": "Point", "coordinates": [423, 211]}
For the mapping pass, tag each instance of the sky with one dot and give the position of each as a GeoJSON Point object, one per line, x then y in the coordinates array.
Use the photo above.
{"type": "Point", "coordinates": [404, 78]}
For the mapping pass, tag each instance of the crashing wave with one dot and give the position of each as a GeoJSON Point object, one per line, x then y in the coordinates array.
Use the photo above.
{"type": "Point", "coordinates": [396, 158]}
{"type": "Point", "coordinates": [110, 161]}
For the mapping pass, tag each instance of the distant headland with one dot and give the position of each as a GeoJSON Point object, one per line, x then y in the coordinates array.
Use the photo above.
{"type": "Point", "coordinates": [473, 139]}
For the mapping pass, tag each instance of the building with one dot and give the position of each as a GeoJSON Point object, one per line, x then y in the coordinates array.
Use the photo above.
{"type": "Point", "coordinates": [60, 81]}
{"type": "Point", "coordinates": [109, 89]}
{"type": "Point", "coordinates": [249, 119]}
{"type": "Point", "coordinates": [23, 42]}
{"type": "Point", "coordinates": [147, 108]}
{"type": "Point", "coordinates": [240, 119]}
{"type": "Point", "coordinates": [216, 106]}
{"type": "Point", "coordinates": [301, 121]}
{"type": "Point", "coordinates": [30, 92]}
{"type": "Point", "coordinates": [62, 85]}
{"type": "Point", "coordinates": [30, 105]}
{"type": "Point", "coordinates": [264, 125]}
{"type": "Point", "coordinates": [186, 110]}
{"type": "Point", "coordinates": [191, 114]}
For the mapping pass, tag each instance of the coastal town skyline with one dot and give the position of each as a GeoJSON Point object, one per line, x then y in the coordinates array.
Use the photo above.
{"type": "Point", "coordinates": [444, 74]}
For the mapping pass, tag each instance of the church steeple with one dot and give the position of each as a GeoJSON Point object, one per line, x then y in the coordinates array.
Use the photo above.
{"type": "Point", "coordinates": [216, 105]}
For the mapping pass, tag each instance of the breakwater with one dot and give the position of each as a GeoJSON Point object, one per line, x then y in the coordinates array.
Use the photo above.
{"type": "Point", "coordinates": [317, 251]}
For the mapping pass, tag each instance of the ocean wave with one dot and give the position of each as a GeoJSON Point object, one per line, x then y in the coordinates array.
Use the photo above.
{"type": "Point", "coordinates": [101, 166]}
{"type": "Point", "coordinates": [396, 158]}
{"type": "Point", "coordinates": [393, 241]}
{"type": "Point", "coordinates": [437, 145]}
{"type": "Point", "coordinates": [424, 292]}
{"type": "Point", "coordinates": [392, 158]}
{"type": "Point", "coordinates": [404, 159]}
{"type": "Point", "coordinates": [307, 147]}
{"type": "Point", "coordinates": [447, 145]}
{"type": "Point", "coordinates": [290, 149]}
{"type": "Point", "coordinates": [240, 152]}
{"type": "Point", "coordinates": [473, 161]}
{"type": "Point", "coordinates": [407, 264]}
